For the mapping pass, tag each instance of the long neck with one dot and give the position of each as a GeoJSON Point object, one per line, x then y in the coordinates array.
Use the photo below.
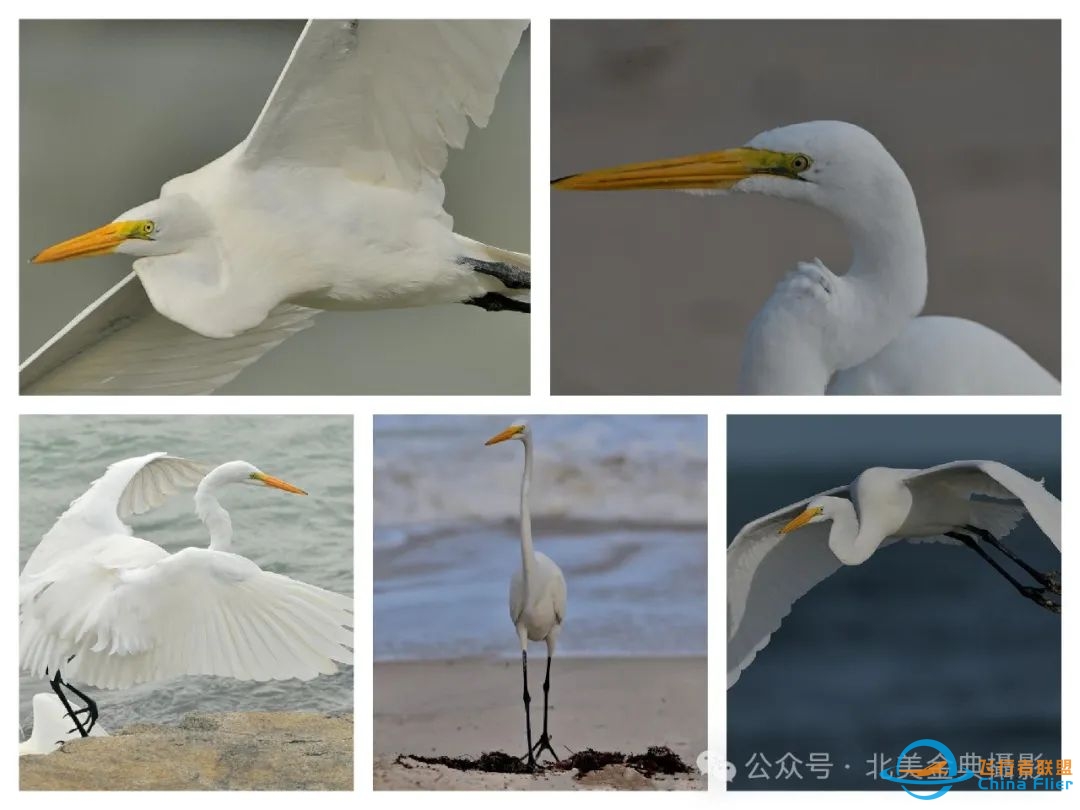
{"type": "Point", "coordinates": [886, 285]}
{"type": "Point", "coordinates": [805, 334]}
{"type": "Point", "coordinates": [528, 557]}
{"type": "Point", "coordinates": [213, 515]}
{"type": "Point", "coordinates": [850, 540]}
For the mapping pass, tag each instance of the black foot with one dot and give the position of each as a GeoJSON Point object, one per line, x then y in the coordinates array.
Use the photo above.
{"type": "Point", "coordinates": [1038, 596]}
{"type": "Point", "coordinates": [1053, 582]}
{"type": "Point", "coordinates": [494, 302]}
{"type": "Point", "coordinates": [515, 278]}
{"type": "Point", "coordinates": [542, 745]}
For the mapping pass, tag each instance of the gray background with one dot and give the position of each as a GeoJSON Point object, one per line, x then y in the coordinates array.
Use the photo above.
{"type": "Point", "coordinates": [652, 292]}
{"type": "Point", "coordinates": [110, 110]}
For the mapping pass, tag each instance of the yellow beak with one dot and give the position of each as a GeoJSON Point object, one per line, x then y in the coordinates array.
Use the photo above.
{"type": "Point", "coordinates": [95, 243]}
{"type": "Point", "coordinates": [277, 483]}
{"type": "Point", "coordinates": [801, 520]}
{"type": "Point", "coordinates": [509, 433]}
{"type": "Point", "coordinates": [709, 170]}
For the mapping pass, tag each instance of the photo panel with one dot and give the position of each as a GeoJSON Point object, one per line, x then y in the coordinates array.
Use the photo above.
{"type": "Point", "coordinates": [194, 600]}
{"type": "Point", "coordinates": [593, 529]}
{"type": "Point", "coordinates": [920, 560]}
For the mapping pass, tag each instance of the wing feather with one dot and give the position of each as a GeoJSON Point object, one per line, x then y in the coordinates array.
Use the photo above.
{"type": "Point", "coordinates": [196, 612]}
{"type": "Point", "coordinates": [996, 480]}
{"type": "Point", "coordinates": [121, 345]}
{"type": "Point", "coordinates": [383, 99]}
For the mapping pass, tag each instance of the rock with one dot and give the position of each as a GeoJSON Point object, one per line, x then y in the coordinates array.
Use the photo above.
{"type": "Point", "coordinates": [228, 751]}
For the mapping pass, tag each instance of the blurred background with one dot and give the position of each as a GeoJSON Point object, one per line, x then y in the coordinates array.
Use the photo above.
{"type": "Point", "coordinates": [970, 109]}
{"type": "Point", "coordinates": [112, 109]}
{"type": "Point", "coordinates": [619, 502]}
{"type": "Point", "coordinates": [919, 641]}
{"type": "Point", "coordinates": [309, 539]}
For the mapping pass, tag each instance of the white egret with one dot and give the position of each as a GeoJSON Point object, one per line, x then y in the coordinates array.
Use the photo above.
{"type": "Point", "coordinates": [778, 558]}
{"type": "Point", "coordinates": [857, 333]}
{"type": "Point", "coordinates": [52, 726]}
{"type": "Point", "coordinates": [332, 201]}
{"type": "Point", "coordinates": [112, 610]}
{"type": "Point", "coordinates": [537, 596]}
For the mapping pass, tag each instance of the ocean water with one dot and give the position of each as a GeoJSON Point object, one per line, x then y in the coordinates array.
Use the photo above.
{"type": "Point", "coordinates": [306, 538]}
{"type": "Point", "coordinates": [618, 502]}
{"type": "Point", "coordinates": [921, 641]}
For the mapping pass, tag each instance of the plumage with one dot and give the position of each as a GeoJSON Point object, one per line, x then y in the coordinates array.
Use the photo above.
{"type": "Point", "coordinates": [778, 558]}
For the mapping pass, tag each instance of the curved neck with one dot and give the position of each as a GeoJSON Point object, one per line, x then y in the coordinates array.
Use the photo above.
{"type": "Point", "coordinates": [848, 540]}
{"type": "Point", "coordinates": [885, 287]}
{"type": "Point", "coordinates": [806, 332]}
{"type": "Point", "coordinates": [528, 557]}
{"type": "Point", "coordinates": [213, 515]}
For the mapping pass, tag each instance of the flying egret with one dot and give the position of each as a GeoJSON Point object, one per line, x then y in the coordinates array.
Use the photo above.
{"type": "Point", "coordinates": [112, 610]}
{"type": "Point", "coordinates": [776, 559]}
{"type": "Point", "coordinates": [332, 201]}
{"type": "Point", "coordinates": [52, 726]}
{"type": "Point", "coordinates": [537, 596]}
{"type": "Point", "coordinates": [857, 333]}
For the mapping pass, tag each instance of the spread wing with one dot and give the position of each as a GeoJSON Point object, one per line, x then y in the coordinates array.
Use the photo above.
{"type": "Point", "coordinates": [196, 612]}
{"type": "Point", "coordinates": [766, 573]}
{"type": "Point", "coordinates": [996, 480]}
{"type": "Point", "coordinates": [129, 487]}
{"type": "Point", "coordinates": [121, 345]}
{"type": "Point", "coordinates": [383, 99]}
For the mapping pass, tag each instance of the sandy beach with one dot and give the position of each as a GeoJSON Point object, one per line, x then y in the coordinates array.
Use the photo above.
{"type": "Point", "coordinates": [467, 707]}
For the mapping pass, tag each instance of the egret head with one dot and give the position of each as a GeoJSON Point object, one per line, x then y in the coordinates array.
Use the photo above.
{"type": "Point", "coordinates": [518, 430]}
{"type": "Point", "coordinates": [157, 228]}
{"type": "Point", "coordinates": [831, 164]}
{"type": "Point", "coordinates": [241, 472]}
{"type": "Point", "coordinates": [816, 511]}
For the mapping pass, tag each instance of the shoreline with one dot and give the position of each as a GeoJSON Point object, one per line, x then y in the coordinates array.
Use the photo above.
{"type": "Point", "coordinates": [468, 707]}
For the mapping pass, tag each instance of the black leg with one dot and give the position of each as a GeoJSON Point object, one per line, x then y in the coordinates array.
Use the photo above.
{"type": "Point", "coordinates": [1036, 595]}
{"type": "Point", "coordinates": [527, 699]}
{"type": "Point", "coordinates": [91, 707]}
{"type": "Point", "coordinates": [515, 278]}
{"type": "Point", "coordinates": [57, 686]}
{"type": "Point", "coordinates": [544, 743]}
{"type": "Point", "coordinates": [1048, 581]}
{"type": "Point", "coordinates": [494, 302]}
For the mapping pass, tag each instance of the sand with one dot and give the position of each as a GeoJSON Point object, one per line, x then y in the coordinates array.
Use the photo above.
{"type": "Point", "coordinates": [225, 751]}
{"type": "Point", "coordinates": [464, 708]}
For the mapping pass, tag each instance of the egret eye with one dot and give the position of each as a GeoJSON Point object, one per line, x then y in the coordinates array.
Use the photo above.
{"type": "Point", "coordinates": [148, 228]}
{"type": "Point", "coordinates": [800, 163]}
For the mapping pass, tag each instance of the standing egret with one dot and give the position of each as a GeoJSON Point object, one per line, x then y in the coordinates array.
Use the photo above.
{"type": "Point", "coordinates": [857, 333]}
{"type": "Point", "coordinates": [537, 596]}
{"type": "Point", "coordinates": [333, 201]}
{"type": "Point", "coordinates": [776, 559]}
{"type": "Point", "coordinates": [112, 610]}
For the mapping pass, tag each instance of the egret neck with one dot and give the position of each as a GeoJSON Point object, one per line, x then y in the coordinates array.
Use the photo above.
{"type": "Point", "coordinates": [212, 514]}
{"type": "Point", "coordinates": [528, 558]}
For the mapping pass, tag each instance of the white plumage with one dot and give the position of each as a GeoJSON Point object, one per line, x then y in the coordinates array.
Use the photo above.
{"type": "Point", "coordinates": [537, 595]}
{"type": "Point", "coordinates": [333, 201]}
{"type": "Point", "coordinates": [112, 610]}
{"type": "Point", "coordinates": [778, 558]}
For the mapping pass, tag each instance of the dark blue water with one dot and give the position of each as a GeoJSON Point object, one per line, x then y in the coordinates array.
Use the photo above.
{"type": "Point", "coordinates": [922, 641]}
